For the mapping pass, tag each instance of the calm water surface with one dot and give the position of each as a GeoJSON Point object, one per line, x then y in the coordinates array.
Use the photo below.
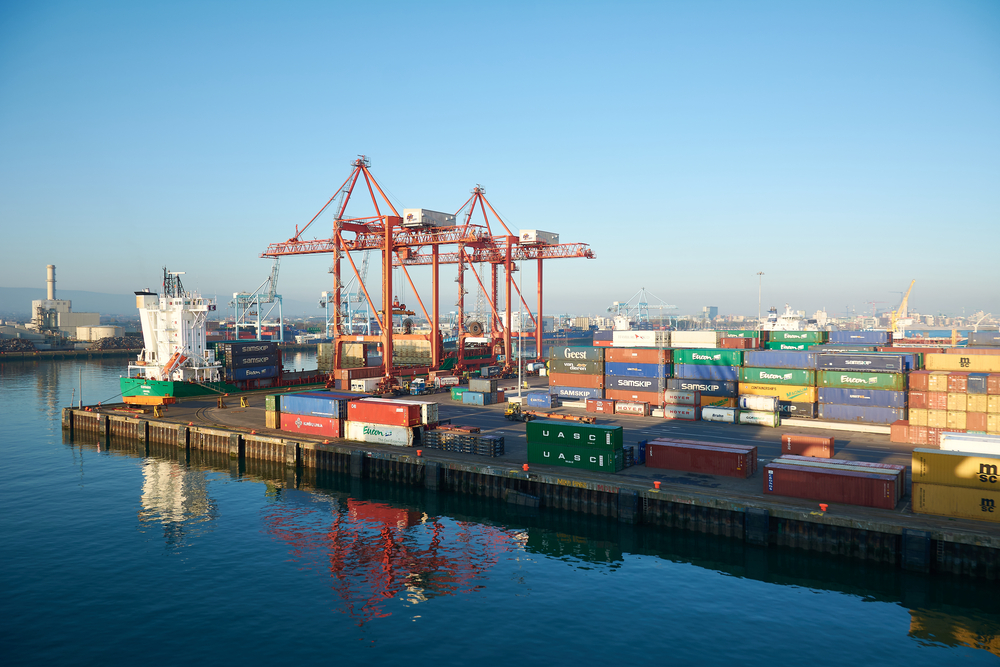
{"type": "Point", "coordinates": [112, 557]}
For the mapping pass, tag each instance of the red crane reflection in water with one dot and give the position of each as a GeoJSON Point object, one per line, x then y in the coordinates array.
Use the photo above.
{"type": "Point", "coordinates": [376, 552]}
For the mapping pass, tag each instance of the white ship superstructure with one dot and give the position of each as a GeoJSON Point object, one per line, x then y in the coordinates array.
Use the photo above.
{"type": "Point", "coordinates": [790, 320]}
{"type": "Point", "coordinates": [173, 332]}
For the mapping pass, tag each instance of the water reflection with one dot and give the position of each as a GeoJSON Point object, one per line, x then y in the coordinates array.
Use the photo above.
{"type": "Point", "coordinates": [176, 497]}
{"type": "Point", "coordinates": [956, 628]}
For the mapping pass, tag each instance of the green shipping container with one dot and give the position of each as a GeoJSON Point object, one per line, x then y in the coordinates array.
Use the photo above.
{"type": "Point", "coordinates": [576, 353]}
{"type": "Point", "coordinates": [709, 357]}
{"type": "Point", "coordinates": [794, 376]}
{"type": "Point", "coordinates": [271, 402]}
{"type": "Point", "coordinates": [742, 333]}
{"type": "Point", "coordinates": [572, 456]}
{"type": "Point", "coordinates": [456, 393]}
{"type": "Point", "coordinates": [853, 379]}
{"type": "Point", "coordinates": [800, 336]}
{"type": "Point", "coordinates": [772, 345]}
{"type": "Point", "coordinates": [598, 436]}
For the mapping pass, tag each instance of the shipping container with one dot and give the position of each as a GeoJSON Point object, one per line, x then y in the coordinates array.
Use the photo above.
{"type": "Point", "coordinates": [914, 399]}
{"type": "Point", "coordinates": [742, 333]}
{"type": "Point", "coordinates": [724, 415]}
{"type": "Point", "coordinates": [709, 357]}
{"type": "Point", "coordinates": [641, 339]}
{"type": "Point", "coordinates": [718, 402]}
{"type": "Point", "coordinates": [599, 436]}
{"type": "Point", "coordinates": [977, 402]}
{"type": "Point", "coordinates": [937, 418]}
{"type": "Point", "coordinates": [889, 363]}
{"type": "Point", "coordinates": [792, 409]}
{"type": "Point", "coordinates": [807, 445]}
{"type": "Point", "coordinates": [755, 402]}
{"type": "Point", "coordinates": [832, 347]}
{"type": "Point", "coordinates": [796, 376]}
{"type": "Point", "coordinates": [574, 456]}
{"type": "Point", "coordinates": [311, 424]}
{"type": "Point", "coordinates": [813, 337]}
{"type": "Point", "coordinates": [615, 382]}
{"type": "Point", "coordinates": [957, 401]}
{"type": "Point", "coordinates": [578, 353]}
{"type": "Point", "coordinates": [862, 337]}
{"type": "Point", "coordinates": [848, 487]}
{"type": "Point", "coordinates": [630, 369]}
{"type": "Point", "coordinates": [483, 385]}
{"type": "Point", "coordinates": [683, 412]}
{"type": "Point", "coordinates": [860, 414]}
{"type": "Point", "coordinates": [477, 398]}
{"type": "Point", "coordinates": [705, 387]}
{"type": "Point", "coordinates": [536, 236]}
{"type": "Point", "coordinates": [383, 411]}
{"type": "Point", "coordinates": [898, 472]}
{"type": "Point", "coordinates": [603, 406]}
{"type": "Point", "coordinates": [919, 380]}
{"type": "Point", "coordinates": [970, 443]}
{"type": "Point", "coordinates": [570, 380]}
{"type": "Point", "coordinates": [880, 398]}
{"type": "Point", "coordinates": [254, 359]}
{"type": "Point", "coordinates": [233, 348]}
{"type": "Point", "coordinates": [776, 359]}
{"type": "Point", "coordinates": [936, 400]}
{"type": "Point", "coordinates": [849, 379]}
{"type": "Point", "coordinates": [456, 393]}
{"type": "Point", "coordinates": [899, 431]}
{"type": "Point", "coordinates": [976, 363]}
{"type": "Point", "coordinates": [319, 404]}
{"type": "Point", "coordinates": [421, 217]}
{"type": "Point", "coordinates": [988, 351]}
{"type": "Point", "coordinates": [758, 418]}
{"type": "Point", "coordinates": [428, 409]}
{"type": "Point", "coordinates": [576, 392]}
{"type": "Point", "coordinates": [993, 383]}
{"type": "Point", "coordinates": [651, 397]}
{"type": "Point", "coordinates": [917, 416]}
{"type": "Point", "coordinates": [937, 380]}
{"type": "Point", "coordinates": [633, 355]}
{"type": "Point", "coordinates": [365, 384]}
{"type": "Point", "coordinates": [993, 404]}
{"type": "Point", "coordinates": [699, 458]}
{"type": "Point", "coordinates": [540, 400]}
{"type": "Point", "coordinates": [956, 502]}
{"type": "Point", "coordinates": [381, 434]}
{"type": "Point", "coordinates": [782, 391]}
{"type": "Point", "coordinates": [699, 372]}
{"type": "Point", "coordinates": [573, 367]}
{"type": "Point", "coordinates": [972, 471]}
{"type": "Point", "coordinates": [958, 382]}
{"type": "Point", "coordinates": [632, 408]}
{"type": "Point", "coordinates": [272, 419]}
{"type": "Point", "coordinates": [672, 397]}
{"type": "Point", "coordinates": [782, 346]}
{"type": "Point", "coordinates": [728, 343]}
{"type": "Point", "coordinates": [984, 338]}
{"type": "Point", "coordinates": [603, 334]}
{"type": "Point", "coordinates": [694, 339]}
{"type": "Point", "coordinates": [252, 373]}
{"type": "Point", "coordinates": [977, 383]}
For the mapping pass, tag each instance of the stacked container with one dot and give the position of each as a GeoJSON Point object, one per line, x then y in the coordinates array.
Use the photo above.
{"type": "Point", "coordinates": [796, 341]}
{"type": "Point", "coordinates": [577, 372]}
{"type": "Point", "coordinates": [637, 374]}
{"type": "Point", "coordinates": [480, 392]}
{"type": "Point", "coordinates": [860, 387]}
{"type": "Point", "coordinates": [250, 359]}
{"type": "Point", "coordinates": [383, 421]}
{"type": "Point", "coordinates": [573, 445]}
{"type": "Point", "coordinates": [951, 401]}
{"type": "Point", "coordinates": [956, 484]}
{"type": "Point", "coordinates": [789, 376]}
{"type": "Point", "coordinates": [313, 413]}
{"type": "Point", "coordinates": [707, 365]}
{"type": "Point", "coordinates": [694, 339]}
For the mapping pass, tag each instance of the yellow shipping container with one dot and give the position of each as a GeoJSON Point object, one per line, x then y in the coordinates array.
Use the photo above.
{"type": "Point", "coordinates": [993, 422]}
{"type": "Point", "coordinates": [956, 502]}
{"type": "Point", "coordinates": [272, 419]}
{"type": "Point", "coordinates": [972, 471]}
{"type": "Point", "coordinates": [784, 392]}
{"type": "Point", "coordinates": [937, 381]}
{"type": "Point", "coordinates": [993, 404]}
{"type": "Point", "coordinates": [975, 363]}
{"type": "Point", "coordinates": [956, 420]}
{"type": "Point", "coordinates": [937, 418]}
{"type": "Point", "coordinates": [957, 402]}
{"type": "Point", "coordinates": [977, 403]}
{"type": "Point", "coordinates": [918, 416]}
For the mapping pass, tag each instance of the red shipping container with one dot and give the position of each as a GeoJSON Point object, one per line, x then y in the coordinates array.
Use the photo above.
{"type": "Point", "coordinates": [807, 445]}
{"type": "Point", "coordinates": [912, 349]}
{"type": "Point", "coordinates": [706, 459]}
{"type": "Point", "coordinates": [917, 399]}
{"type": "Point", "coordinates": [918, 435]}
{"type": "Point", "coordinates": [750, 449]}
{"type": "Point", "coordinates": [958, 382]}
{"type": "Point", "coordinates": [378, 411]}
{"type": "Point", "coordinates": [312, 425]}
{"type": "Point", "coordinates": [933, 435]}
{"type": "Point", "coordinates": [738, 343]}
{"type": "Point", "coordinates": [975, 421]}
{"type": "Point", "coordinates": [638, 355]}
{"type": "Point", "coordinates": [993, 383]}
{"type": "Point", "coordinates": [600, 405]}
{"type": "Point", "coordinates": [651, 397]}
{"type": "Point", "coordinates": [572, 380]}
{"type": "Point", "coordinates": [899, 431]}
{"type": "Point", "coordinates": [936, 400]}
{"type": "Point", "coordinates": [603, 343]}
{"type": "Point", "coordinates": [382, 514]}
{"type": "Point", "coordinates": [890, 468]}
{"type": "Point", "coordinates": [827, 485]}
{"type": "Point", "coordinates": [919, 380]}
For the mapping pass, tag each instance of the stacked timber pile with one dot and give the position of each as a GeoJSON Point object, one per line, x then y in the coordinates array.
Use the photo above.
{"type": "Point", "coordinates": [131, 342]}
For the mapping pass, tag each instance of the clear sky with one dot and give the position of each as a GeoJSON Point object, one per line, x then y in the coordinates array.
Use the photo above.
{"type": "Point", "coordinates": [842, 148]}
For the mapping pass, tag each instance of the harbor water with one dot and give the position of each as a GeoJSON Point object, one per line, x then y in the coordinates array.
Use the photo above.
{"type": "Point", "coordinates": [111, 557]}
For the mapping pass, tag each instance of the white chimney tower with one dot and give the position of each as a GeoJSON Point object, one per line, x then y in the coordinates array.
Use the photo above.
{"type": "Point", "coordinates": [51, 282]}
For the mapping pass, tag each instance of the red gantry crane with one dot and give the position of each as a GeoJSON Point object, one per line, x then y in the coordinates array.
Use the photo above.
{"type": "Point", "coordinates": [402, 245]}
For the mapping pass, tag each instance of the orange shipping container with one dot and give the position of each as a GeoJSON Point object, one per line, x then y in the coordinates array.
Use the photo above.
{"type": "Point", "coordinates": [651, 397]}
{"type": "Point", "coordinates": [719, 401]}
{"type": "Point", "coordinates": [958, 381]}
{"type": "Point", "coordinates": [573, 380]}
{"type": "Point", "coordinates": [993, 384]}
{"type": "Point", "coordinates": [977, 421]}
{"type": "Point", "coordinates": [918, 380]}
{"type": "Point", "coordinates": [899, 431]}
{"type": "Point", "coordinates": [918, 434]}
{"type": "Point", "coordinates": [917, 399]}
{"type": "Point", "coordinates": [937, 400]}
{"type": "Point", "coordinates": [647, 355]}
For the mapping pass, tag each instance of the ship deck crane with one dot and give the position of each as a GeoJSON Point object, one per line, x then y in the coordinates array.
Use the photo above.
{"type": "Point", "coordinates": [901, 312]}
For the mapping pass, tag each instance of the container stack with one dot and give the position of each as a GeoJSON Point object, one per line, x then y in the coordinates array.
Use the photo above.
{"type": "Point", "coordinates": [741, 339]}
{"type": "Point", "coordinates": [313, 413]}
{"type": "Point", "coordinates": [272, 411]}
{"type": "Point", "coordinates": [796, 341]}
{"type": "Point", "coordinates": [880, 485]}
{"type": "Point", "coordinates": [464, 443]}
{"type": "Point", "coordinates": [684, 405]}
{"type": "Point", "coordinates": [637, 374]}
{"type": "Point", "coordinates": [862, 387]}
{"type": "Point", "coordinates": [603, 338]}
{"type": "Point", "coordinates": [249, 359]}
{"type": "Point", "coordinates": [480, 392]}
{"type": "Point", "coordinates": [694, 339]}
{"type": "Point", "coordinates": [573, 445]}
{"type": "Point", "coordinates": [577, 372]}
{"type": "Point", "coordinates": [697, 456]}
{"type": "Point", "coordinates": [708, 365]}
{"type": "Point", "coordinates": [382, 421]}
{"type": "Point", "coordinates": [959, 485]}
{"type": "Point", "coordinates": [951, 401]}
{"type": "Point", "coordinates": [787, 375]}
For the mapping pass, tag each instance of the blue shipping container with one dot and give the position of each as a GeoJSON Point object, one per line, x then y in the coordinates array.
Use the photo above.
{"type": "Point", "coordinates": [889, 363]}
{"type": "Point", "coordinates": [634, 383]}
{"type": "Point", "coordinates": [878, 398]}
{"type": "Point", "coordinates": [577, 392]}
{"type": "Point", "coordinates": [719, 388]}
{"type": "Point", "coordinates": [779, 359]}
{"type": "Point", "coordinates": [699, 372]}
{"type": "Point", "coordinates": [629, 369]}
{"type": "Point", "coordinates": [857, 413]}
{"type": "Point", "coordinates": [315, 403]}
{"type": "Point", "coordinates": [539, 400]}
{"type": "Point", "coordinates": [977, 383]}
{"type": "Point", "coordinates": [252, 373]}
{"type": "Point", "coordinates": [604, 334]}
{"type": "Point", "coordinates": [474, 397]}
{"type": "Point", "coordinates": [861, 337]}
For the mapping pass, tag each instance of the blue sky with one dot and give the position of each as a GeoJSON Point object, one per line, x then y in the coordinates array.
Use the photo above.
{"type": "Point", "coordinates": [842, 148]}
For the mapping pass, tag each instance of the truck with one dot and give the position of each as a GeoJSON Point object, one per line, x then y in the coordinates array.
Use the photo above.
{"type": "Point", "coordinates": [514, 412]}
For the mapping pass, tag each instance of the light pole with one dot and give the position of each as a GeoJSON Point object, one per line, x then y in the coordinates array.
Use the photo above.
{"type": "Point", "coordinates": [760, 278]}
{"type": "Point", "coordinates": [520, 324]}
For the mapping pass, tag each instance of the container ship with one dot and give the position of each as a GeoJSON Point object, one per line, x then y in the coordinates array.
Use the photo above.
{"type": "Point", "coordinates": [176, 361]}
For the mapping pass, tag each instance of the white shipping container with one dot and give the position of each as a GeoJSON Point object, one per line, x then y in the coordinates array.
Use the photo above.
{"type": "Point", "coordinates": [672, 397]}
{"type": "Point", "coordinates": [421, 217]}
{"type": "Point", "coordinates": [659, 339]}
{"type": "Point", "coordinates": [428, 409]}
{"type": "Point", "coordinates": [446, 381]}
{"type": "Point", "coordinates": [690, 412]}
{"type": "Point", "coordinates": [365, 384]}
{"type": "Point", "coordinates": [725, 415]}
{"type": "Point", "coordinates": [689, 339]}
{"type": "Point", "coordinates": [538, 236]}
{"type": "Point", "coordinates": [764, 403]}
{"type": "Point", "coordinates": [970, 443]}
{"type": "Point", "coordinates": [759, 418]}
{"type": "Point", "coordinates": [381, 434]}
{"type": "Point", "coordinates": [628, 408]}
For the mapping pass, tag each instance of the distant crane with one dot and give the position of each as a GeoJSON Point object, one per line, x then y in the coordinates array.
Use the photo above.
{"type": "Point", "coordinates": [636, 309]}
{"type": "Point", "coordinates": [900, 313]}
{"type": "Point", "coordinates": [248, 304]}
{"type": "Point", "coordinates": [975, 327]}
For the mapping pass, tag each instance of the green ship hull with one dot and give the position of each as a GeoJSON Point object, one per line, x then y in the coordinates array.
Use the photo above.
{"type": "Point", "coordinates": [170, 389]}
